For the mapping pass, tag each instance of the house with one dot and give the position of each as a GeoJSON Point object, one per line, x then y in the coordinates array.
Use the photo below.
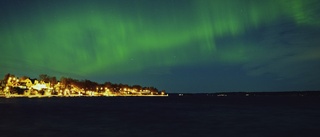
{"type": "Point", "coordinates": [25, 83]}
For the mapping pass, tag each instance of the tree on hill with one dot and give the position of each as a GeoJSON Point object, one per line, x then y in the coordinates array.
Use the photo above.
{"type": "Point", "coordinates": [53, 80]}
{"type": "Point", "coordinates": [138, 87]}
{"type": "Point", "coordinates": [90, 84]}
{"type": "Point", "coordinates": [6, 77]}
{"type": "Point", "coordinates": [44, 77]}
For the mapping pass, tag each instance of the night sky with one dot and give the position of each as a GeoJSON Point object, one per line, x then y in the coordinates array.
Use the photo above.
{"type": "Point", "coordinates": [175, 45]}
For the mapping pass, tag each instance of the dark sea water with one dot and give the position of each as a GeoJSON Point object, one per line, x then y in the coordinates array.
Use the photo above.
{"type": "Point", "coordinates": [160, 117]}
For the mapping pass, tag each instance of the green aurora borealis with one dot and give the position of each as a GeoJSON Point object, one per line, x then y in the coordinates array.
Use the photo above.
{"type": "Point", "coordinates": [189, 45]}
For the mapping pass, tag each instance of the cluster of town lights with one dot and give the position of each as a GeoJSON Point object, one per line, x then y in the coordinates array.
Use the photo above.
{"type": "Point", "coordinates": [27, 88]}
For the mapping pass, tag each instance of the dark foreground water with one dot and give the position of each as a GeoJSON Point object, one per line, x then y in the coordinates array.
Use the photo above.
{"type": "Point", "coordinates": [161, 117]}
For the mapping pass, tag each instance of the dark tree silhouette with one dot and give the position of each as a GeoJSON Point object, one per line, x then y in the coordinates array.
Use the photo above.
{"type": "Point", "coordinates": [6, 77]}
{"type": "Point", "coordinates": [44, 77]}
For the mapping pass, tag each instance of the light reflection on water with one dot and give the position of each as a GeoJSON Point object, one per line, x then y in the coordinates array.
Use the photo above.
{"type": "Point", "coordinates": [172, 116]}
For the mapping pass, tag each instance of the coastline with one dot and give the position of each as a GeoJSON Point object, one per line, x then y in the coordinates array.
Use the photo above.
{"type": "Point", "coordinates": [65, 96]}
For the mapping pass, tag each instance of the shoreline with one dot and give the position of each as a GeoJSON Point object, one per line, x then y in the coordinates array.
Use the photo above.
{"type": "Point", "coordinates": [64, 96]}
